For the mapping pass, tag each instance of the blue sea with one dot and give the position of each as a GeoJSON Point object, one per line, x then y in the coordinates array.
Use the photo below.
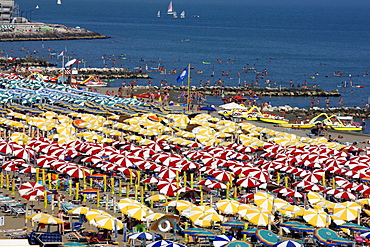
{"type": "Point", "coordinates": [293, 40]}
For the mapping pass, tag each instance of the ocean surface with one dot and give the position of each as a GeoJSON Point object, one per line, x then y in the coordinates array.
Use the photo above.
{"type": "Point", "coordinates": [293, 40]}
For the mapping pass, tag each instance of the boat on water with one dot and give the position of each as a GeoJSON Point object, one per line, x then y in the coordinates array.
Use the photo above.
{"type": "Point", "coordinates": [307, 123]}
{"type": "Point", "coordinates": [37, 7]}
{"type": "Point", "coordinates": [93, 81]}
{"type": "Point", "coordinates": [344, 123]}
{"type": "Point", "coordinates": [159, 14]}
{"type": "Point", "coordinates": [59, 2]}
{"type": "Point", "coordinates": [182, 15]}
{"type": "Point", "coordinates": [170, 10]}
{"type": "Point", "coordinates": [174, 15]}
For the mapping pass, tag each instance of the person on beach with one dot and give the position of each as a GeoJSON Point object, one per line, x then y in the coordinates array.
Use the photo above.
{"type": "Point", "coordinates": [327, 101]}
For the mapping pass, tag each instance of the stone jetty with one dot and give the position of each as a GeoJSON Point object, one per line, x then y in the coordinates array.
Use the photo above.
{"type": "Point", "coordinates": [282, 92]}
{"type": "Point", "coordinates": [40, 31]}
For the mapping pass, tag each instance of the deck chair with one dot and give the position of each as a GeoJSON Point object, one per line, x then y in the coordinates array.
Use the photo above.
{"type": "Point", "coordinates": [76, 236]}
{"type": "Point", "coordinates": [17, 211]}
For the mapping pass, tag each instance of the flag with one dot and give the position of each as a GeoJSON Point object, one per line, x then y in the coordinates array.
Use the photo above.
{"type": "Point", "coordinates": [61, 54]}
{"type": "Point", "coordinates": [184, 74]}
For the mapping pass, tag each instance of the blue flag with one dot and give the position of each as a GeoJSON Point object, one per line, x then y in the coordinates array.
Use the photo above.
{"type": "Point", "coordinates": [184, 74]}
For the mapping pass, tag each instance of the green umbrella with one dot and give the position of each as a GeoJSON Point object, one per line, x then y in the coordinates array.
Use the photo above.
{"type": "Point", "coordinates": [238, 243]}
{"type": "Point", "coordinates": [233, 224]}
{"type": "Point", "coordinates": [251, 231]}
{"type": "Point", "coordinates": [267, 237]}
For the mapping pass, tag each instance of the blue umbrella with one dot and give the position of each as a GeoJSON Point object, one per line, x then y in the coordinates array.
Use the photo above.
{"type": "Point", "coordinates": [238, 243]}
{"type": "Point", "coordinates": [288, 243]}
{"type": "Point", "coordinates": [222, 240]}
{"type": "Point", "coordinates": [365, 235]}
{"type": "Point", "coordinates": [233, 224]}
{"type": "Point", "coordinates": [267, 237]}
{"type": "Point", "coordinates": [207, 108]}
{"type": "Point", "coordinates": [159, 243]}
{"type": "Point", "coordinates": [144, 235]}
{"type": "Point", "coordinates": [204, 234]}
{"type": "Point", "coordinates": [250, 231]}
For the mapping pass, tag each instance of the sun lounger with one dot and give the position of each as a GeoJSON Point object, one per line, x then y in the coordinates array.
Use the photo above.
{"type": "Point", "coordinates": [76, 236]}
{"type": "Point", "coordinates": [17, 211]}
{"type": "Point", "coordinates": [49, 239]}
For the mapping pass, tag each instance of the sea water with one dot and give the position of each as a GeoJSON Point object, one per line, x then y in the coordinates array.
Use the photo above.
{"type": "Point", "coordinates": [293, 40]}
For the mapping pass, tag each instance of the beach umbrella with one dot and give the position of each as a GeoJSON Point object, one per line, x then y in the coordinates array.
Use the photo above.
{"type": "Point", "coordinates": [49, 220]}
{"type": "Point", "coordinates": [108, 222]}
{"type": "Point", "coordinates": [222, 240]}
{"type": "Point", "coordinates": [248, 182]}
{"type": "Point", "coordinates": [228, 206]}
{"type": "Point", "coordinates": [137, 211]}
{"type": "Point", "coordinates": [154, 216]}
{"type": "Point", "coordinates": [157, 197]}
{"type": "Point", "coordinates": [196, 212]}
{"type": "Point", "coordinates": [92, 213]}
{"type": "Point", "coordinates": [316, 217]}
{"type": "Point", "coordinates": [259, 216]}
{"type": "Point", "coordinates": [35, 217]}
{"type": "Point", "coordinates": [204, 234]}
{"type": "Point", "coordinates": [288, 243]}
{"type": "Point", "coordinates": [264, 200]}
{"type": "Point", "coordinates": [345, 195]}
{"type": "Point", "coordinates": [167, 187]}
{"type": "Point", "coordinates": [347, 210]}
{"type": "Point", "coordinates": [314, 197]}
{"type": "Point", "coordinates": [233, 224]}
{"type": "Point", "coordinates": [123, 203]}
{"type": "Point", "coordinates": [268, 238]}
{"type": "Point", "coordinates": [79, 210]}
{"type": "Point", "coordinates": [243, 209]}
{"type": "Point", "coordinates": [238, 243]}
{"type": "Point", "coordinates": [206, 220]}
{"type": "Point", "coordinates": [144, 235]}
{"type": "Point", "coordinates": [28, 187]}
{"type": "Point", "coordinates": [180, 204]}
{"type": "Point", "coordinates": [159, 243]}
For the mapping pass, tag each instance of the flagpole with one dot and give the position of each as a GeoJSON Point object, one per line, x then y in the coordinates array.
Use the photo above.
{"type": "Point", "coordinates": [189, 98]}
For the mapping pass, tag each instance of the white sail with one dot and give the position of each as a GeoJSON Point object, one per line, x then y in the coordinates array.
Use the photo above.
{"type": "Point", "coordinates": [37, 7]}
{"type": "Point", "coordinates": [170, 9]}
{"type": "Point", "coordinates": [182, 15]}
{"type": "Point", "coordinates": [59, 2]}
{"type": "Point", "coordinates": [159, 13]}
{"type": "Point", "coordinates": [174, 14]}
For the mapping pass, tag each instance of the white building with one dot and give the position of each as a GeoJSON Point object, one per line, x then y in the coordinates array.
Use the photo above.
{"type": "Point", "coordinates": [7, 11]}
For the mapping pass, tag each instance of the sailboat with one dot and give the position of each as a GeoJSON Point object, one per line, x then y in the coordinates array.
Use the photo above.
{"type": "Point", "coordinates": [159, 14]}
{"type": "Point", "coordinates": [182, 15]}
{"type": "Point", "coordinates": [174, 15]}
{"type": "Point", "coordinates": [37, 7]}
{"type": "Point", "coordinates": [59, 2]}
{"type": "Point", "coordinates": [170, 9]}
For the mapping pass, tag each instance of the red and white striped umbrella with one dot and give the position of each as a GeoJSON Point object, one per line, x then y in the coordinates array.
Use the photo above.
{"type": "Point", "coordinates": [168, 173]}
{"type": "Point", "coordinates": [167, 186]}
{"type": "Point", "coordinates": [283, 191]}
{"type": "Point", "coordinates": [189, 165]}
{"type": "Point", "coordinates": [23, 152]}
{"type": "Point", "coordinates": [94, 159]}
{"type": "Point", "coordinates": [332, 191]}
{"type": "Point", "coordinates": [28, 169]}
{"type": "Point", "coordinates": [248, 182]}
{"type": "Point", "coordinates": [302, 184]}
{"type": "Point", "coordinates": [294, 194]}
{"type": "Point", "coordinates": [28, 187]}
{"type": "Point", "coordinates": [312, 177]}
{"type": "Point", "coordinates": [217, 185]}
{"type": "Point", "coordinates": [345, 195]}
{"type": "Point", "coordinates": [314, 187]}
{"type": "Point", "coordinates": [45, 161]}
{"type": "Point", "coordinates": [206, 182]}
{"type": "Point", "coordinates": [222, 175]}
{"type": "Point", "coordinates": [151, 180]}
{"type": "Point", "coordinates": [166, 159]}
{"type": "Point", "coordinates": [262, 176]}
{"type": "Point", "coordinates": [7, 147]}
{"type": "Point", "coordinates": [129, 161]}
{"type": "Point", "coordinates": [10, 167]}
{"type": "Point", "coordinates": [78, 171]}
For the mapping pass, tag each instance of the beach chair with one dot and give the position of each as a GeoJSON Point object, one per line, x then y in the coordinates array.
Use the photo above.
{"type": "Point", "coordinates": [17, 211]}
{"type": "Point", "coordinates": [76, 236]}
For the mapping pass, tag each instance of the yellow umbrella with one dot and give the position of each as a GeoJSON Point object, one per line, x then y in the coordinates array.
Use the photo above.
{"type": "Point", "coordinates": [347, 210]}
{"type": "Point", "coordinates": [108, 222]}
{"type": "Point", "coordinates": [92, 213]}
{"type": "Point", "coordinates": [206, 220]}
{"type": "Point", "coordinates": [156, 198]}
{"type": "Point", "coordinates": [228, 206]}
{"type": "Point", "coordinates": [19, 137]}
{"type": "Point", "coordinates": [79, 210]}
{"type": "Point", "coordinates": [196, 212]}
{"type": "Point", "coordinates": [35, 217]}
{"type": "Point", "coordinates": [279, 203]}
{"type": "Point", "coordinates": [137, 211]}
{"type": "Point", "coordinates": [49, 220]}
{"type": "Point", "coordinates": [49, 115]}
{"type": "Point", "coordinates": [153, 216]}
{"type": "Point", "coordinates": [314, 197]}
{"type": "Point", "coordinates": [180, 204]}
{"type": "Point", "coordinates": [264, 200]}
{"type": "Point", "coordinates": [365, 201]}
{"type": "Point", "coordinates": [243, 209]}
{"type": "Point", "coordinates": [65, 129]}
{"type": "Point", "coordinates": [259, 216]}
{"type": "Point", "coordinates": [338, 221]}
{"type": "Point", "coordinates": [64, 119]}
{"type": "Point", "coordinates": [316, 217]}
{"type": "Point", "coordinates": [123, 203]}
